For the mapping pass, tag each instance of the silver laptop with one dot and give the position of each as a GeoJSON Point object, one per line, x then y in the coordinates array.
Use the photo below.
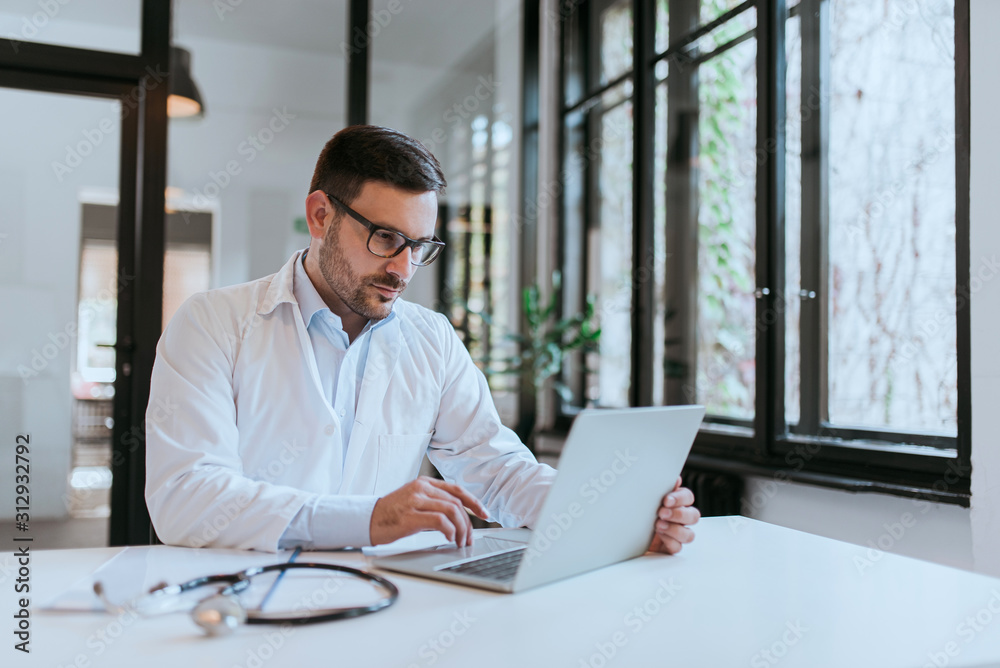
{"type": "Point", "coordinates": [615, 468]}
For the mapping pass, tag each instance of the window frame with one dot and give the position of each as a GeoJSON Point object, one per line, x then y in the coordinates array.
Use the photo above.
{"type": "Point", "coordinates": [924, 465]}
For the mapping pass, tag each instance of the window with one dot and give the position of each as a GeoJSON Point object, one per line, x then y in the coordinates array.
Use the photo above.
{"type": "Point", "coordinates": [598, 234]}
{"type": "Point", "coordinates": [769, 202]}
{"type": "Point", "coordinates": [461, 99]}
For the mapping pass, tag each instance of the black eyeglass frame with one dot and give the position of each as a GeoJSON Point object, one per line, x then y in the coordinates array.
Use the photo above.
{"type": "Point", "coordinates": [435, 244]}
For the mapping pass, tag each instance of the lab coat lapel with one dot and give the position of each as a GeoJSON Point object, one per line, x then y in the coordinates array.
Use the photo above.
{"type": "Point", "coordinates": [309, 356]}
{"type": "Point", "coordinates": [383, 355]}
{"type": "Point", "coordinates": [283, 289]}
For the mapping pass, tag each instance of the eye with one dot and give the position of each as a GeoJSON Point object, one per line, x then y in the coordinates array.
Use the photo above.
{"type": "Point", "coordinates": [385, 236]}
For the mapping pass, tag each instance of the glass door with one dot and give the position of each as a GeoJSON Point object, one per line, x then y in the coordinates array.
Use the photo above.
{"type": "Point", "coordinates": [59, 283]}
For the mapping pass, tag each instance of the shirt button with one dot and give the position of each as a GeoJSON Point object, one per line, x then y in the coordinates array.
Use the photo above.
{"type": "Point", "coordinates": [342, 412]}
{"type": "Point", "coordinates": [329, 430]}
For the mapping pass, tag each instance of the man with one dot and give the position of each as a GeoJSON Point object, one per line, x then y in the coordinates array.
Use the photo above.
{"type": "Point", "coordinates": [301, 404]}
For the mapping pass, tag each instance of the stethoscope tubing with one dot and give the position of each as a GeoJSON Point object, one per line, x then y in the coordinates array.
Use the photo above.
{"type": "Point", "coordinates": [235, 583]}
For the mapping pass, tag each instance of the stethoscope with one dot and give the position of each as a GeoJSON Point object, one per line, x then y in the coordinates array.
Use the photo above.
{"type": "Point", "coordinates": [222, 612]}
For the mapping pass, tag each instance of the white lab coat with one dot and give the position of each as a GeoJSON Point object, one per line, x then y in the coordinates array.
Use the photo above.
{"type": "Point", "coordinates": [239, 435]}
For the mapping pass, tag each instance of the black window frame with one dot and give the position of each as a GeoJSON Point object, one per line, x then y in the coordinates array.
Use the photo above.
{"type": "Point", "coordinates": [928, 466]}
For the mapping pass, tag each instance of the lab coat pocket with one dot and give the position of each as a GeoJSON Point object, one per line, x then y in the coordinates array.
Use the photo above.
{"type": "Point", "coordinates": [399, 457]}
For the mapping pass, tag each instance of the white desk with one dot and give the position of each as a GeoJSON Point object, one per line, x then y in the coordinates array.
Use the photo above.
{"type": "Point", "coordinates": [739, 591]}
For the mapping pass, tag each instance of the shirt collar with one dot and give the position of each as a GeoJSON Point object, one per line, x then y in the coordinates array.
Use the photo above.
{"type": "Point", "coordinates": [310, 303]}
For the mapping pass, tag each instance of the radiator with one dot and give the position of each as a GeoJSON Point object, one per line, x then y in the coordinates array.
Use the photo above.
{"type": "Point", "coordinates": [714, 493]}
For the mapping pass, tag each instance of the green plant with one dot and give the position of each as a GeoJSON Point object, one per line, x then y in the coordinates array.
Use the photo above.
{"type": "Point", "coordinates": [546, 340]}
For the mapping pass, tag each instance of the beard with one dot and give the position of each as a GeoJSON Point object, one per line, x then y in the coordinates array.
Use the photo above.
{"type": "Point", "coordinates": [355, 290]}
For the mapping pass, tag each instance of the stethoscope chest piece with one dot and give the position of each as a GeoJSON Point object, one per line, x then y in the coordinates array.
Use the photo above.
{"type": "Point", "coordinates": [219, 615]}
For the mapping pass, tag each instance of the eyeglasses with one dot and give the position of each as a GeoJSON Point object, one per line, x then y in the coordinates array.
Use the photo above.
{"type": "Point", "coordinates": [384, 242]}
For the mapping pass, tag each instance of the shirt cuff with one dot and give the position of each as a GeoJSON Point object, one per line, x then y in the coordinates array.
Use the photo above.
{"type": "Point", "coordinates": [331, 522]}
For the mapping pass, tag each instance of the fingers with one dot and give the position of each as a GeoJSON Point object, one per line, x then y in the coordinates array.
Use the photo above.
{"type": "Point", "coordinates": [467, 500]}
{"type": "Point", "coordinates": [456, 526]}
{"type": "Point", "coordinates": [684, 515]}
{"type": "Point", "coordinates": [665, 544]}
{"type": "Point", "coordinates": [671, 538]}
{"type": "Point", "coordinates": [673, 519]}
{"type": "Point", "coordinates": [677, 507]}
{"type": "Point", "coordinates": [449, 500]}
{"type": "Point", "coordinates": [437, 521]}
{"type": "Point", "coordinates": [681, 496]}
{"type": "Point", "coordinates": [677, 532]}
{"type": "Point", "coordinates": [424, 504]}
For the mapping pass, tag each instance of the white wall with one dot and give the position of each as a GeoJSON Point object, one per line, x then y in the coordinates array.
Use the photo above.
{"type": "Point", "coordinates": [931, 531]}
{"type": "Point", "coordinates": [943, 533]}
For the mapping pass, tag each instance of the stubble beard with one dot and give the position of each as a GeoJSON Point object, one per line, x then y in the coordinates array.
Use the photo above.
{"type": "Point", "coordinates": [355, 291]}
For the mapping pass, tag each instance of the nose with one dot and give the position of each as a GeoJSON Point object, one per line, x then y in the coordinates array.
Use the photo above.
{"type": "Point", "coordinates": [400, 266]}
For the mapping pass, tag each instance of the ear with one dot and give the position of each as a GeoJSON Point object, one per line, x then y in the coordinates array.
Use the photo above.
{"type": "Point", "coordinates": [319, 213]}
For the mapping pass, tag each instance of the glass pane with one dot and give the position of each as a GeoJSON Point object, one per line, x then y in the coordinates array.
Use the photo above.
{"type": "Point", "coordinates": [576, 148]}
{"type": "Point", "coordinates": [58, 293]}
{"type": "Point", "coordinates": [728, 31]}
{"type": "Point", "coordinates": [461, 97]}
{"type": "Point", "coordinates": [104, 26]}
{"type": "Point", "coordinates": [609, 244]}
{"type": "Point", "coordinates": [574, 86]}
{"type": "Point", "coordinates": [97, 311]}
{"type": "Point", "coordinates": [660, 363]}
{"type": "Point", "coordinates": [615, 25]}
{"type": "Point", "coordinates": [892, 338]}
{"type": "Point", "coordinates": [793, 214]}
{"type": "Point", "coordinates": [726, 228]}
{"type": "Point", "coordinates": [713, 9]}
{"type": "Point", "coordinates": [610, 56]}
{"type": "Point", "coordinates": [662, 25]}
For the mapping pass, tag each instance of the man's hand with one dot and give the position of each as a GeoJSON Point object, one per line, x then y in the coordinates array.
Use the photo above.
{"type": "Point", "coordinates": [425, 504]}
{"type": "Point", "coordinates": [672, 520]}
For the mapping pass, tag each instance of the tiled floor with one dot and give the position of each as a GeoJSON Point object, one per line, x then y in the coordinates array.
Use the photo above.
{"type": "Point", "coordinates": [56, 534]}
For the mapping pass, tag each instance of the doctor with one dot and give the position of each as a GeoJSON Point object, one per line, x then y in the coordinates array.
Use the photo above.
{"type": "Point", "coordinates": [296, 408]}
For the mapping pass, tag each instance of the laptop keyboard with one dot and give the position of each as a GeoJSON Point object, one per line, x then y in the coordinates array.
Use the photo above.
{"type": "Point", "coordinates": [501, 567]}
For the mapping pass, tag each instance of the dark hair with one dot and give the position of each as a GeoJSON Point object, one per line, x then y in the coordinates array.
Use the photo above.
{"type": "Point", "coordinates": [362, 153]}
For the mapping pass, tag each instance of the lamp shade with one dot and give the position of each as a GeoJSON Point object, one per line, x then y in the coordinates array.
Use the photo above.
{"type": "Point", "coordinates": [185, 98]}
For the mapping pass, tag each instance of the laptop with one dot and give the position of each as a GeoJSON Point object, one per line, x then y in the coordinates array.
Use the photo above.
{"type": "Point", "coordinates": [615, 468]}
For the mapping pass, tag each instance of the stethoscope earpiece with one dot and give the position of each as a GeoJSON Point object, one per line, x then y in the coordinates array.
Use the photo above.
{"type": "Point", "coordinates": [219, 615]}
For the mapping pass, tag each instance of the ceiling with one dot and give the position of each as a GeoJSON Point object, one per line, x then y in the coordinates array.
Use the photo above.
{"type": "Point", "coordinates": [432, 33]}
